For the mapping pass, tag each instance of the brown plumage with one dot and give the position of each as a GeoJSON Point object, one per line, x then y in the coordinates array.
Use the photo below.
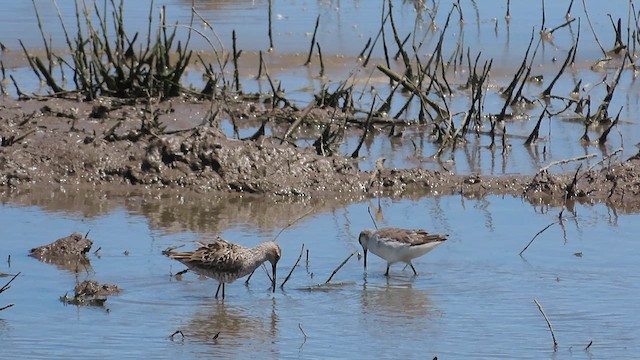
{"type": "Point", "coordinates": [227, 262]}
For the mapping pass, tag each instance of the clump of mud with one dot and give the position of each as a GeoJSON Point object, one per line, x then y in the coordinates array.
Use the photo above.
{"type": "Point", "coordinates": [67, 253]}
{"type": "Point", "coordinates": [90, 288]}
{"type": "Point", "coordinates": [69, 246]}
{"type": "Point", "coordinates": [90, 293]}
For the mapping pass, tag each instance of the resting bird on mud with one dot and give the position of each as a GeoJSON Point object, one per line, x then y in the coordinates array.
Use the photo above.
{"type": "Point", "coordinates": [227, 262]}
{"type": "Point", "coordinates": [398, 245]}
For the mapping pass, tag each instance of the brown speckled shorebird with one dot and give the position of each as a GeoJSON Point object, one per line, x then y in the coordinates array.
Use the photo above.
{"type": "Point", "coordinates": [398, 245]}
{"type": "Point", "coordinates": [227, 262]}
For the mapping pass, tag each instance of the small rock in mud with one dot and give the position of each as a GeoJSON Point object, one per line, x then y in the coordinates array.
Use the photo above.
{"type": "Point", "coordinates": [73, 245]}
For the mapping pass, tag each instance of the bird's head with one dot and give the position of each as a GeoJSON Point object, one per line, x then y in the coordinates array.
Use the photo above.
{"type": "Point", "coordinates": [363, 239]}
{"type": "Point", "coordinates": [273, 256]}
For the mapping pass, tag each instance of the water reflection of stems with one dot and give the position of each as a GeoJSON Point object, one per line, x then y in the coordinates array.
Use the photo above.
{"type": "Point", "coordinates": [553, 335]}
{"type": "Point", "coordinates": [305, 335]}
{"type": "Point", "coordinates": [321, 62]}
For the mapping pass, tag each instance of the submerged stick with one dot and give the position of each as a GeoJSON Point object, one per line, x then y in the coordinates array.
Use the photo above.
{"type": "Point", "coordinates": [588, 346]}
{"type": "Point", "coordinates": [555, 343]}
{"type": "Point", "coordinates": [371, 216]}
{"type": "Point", "coordinates": [367, 125]}
{"type": "Point", "coordinates": [536, 235]}
{"type": "Point", "coordinates": [547, 91]}
{"type": "Point", "coordinates": [536, 130]}
{"type": "Point", "coordinates": [292, 223]}
{"type": "Point", "coordinates": [340, 266]}
{"type": "Point", "coordinates": [603, 138]}
{"type": "Point", "coordinates": [297, 122]}
{"type": "Point", "coordinates": [177, 332]}
{"type": "Point", "coordinates": [293, 268]}
{"type": "Point", "coordinates": [313, 41]}
{"type": "Point", "coordinates": [595, 36]}
{"type": "Point", "coordinates": [577, 158]}
{"type": "Point", "coordinates": [7, 285]}
{"type": "Point", "coordinates": [270, 20]}
{"type": "Point", "coordinates": [236, 55]}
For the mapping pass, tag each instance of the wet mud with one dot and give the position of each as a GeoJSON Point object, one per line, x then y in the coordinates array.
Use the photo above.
{"type": "Point", "coordinates": [70, 246]}
{"type": "Point", "coordinates": [52, 142]}
{"type": "Point", "coordinates": [90, 293]}
{"type": "Point", "coordinates": [67, 253]}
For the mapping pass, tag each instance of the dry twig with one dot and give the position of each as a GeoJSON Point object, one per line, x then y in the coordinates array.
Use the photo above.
{"type": "Point", "coordinates": [340, 266]}
{"type": "Point", "coordinates": [539, 232]}
{"type": "Point", "coordinates": [564, 161]}
{"type": "Point", "coordinates": [293, 268]}
{"type": "Point", "coordinates": [555, 343]}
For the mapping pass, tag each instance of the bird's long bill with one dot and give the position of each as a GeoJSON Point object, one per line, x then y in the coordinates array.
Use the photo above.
{"type": "Point", "coordinates": [365, 259]}
{"type": "Point", "coordinates": [273, 269]}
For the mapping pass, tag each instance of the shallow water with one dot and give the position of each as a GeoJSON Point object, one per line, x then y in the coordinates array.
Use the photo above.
{"type": "Point", "coordinates": [473, 296]}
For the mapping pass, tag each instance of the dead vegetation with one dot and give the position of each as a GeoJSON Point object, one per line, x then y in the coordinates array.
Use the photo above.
{"type": "Point", "coordinates": [6, 287]}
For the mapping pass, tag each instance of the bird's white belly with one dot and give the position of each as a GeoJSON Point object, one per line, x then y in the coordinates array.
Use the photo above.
{"type": "Point", "coordinates": [399, 252]}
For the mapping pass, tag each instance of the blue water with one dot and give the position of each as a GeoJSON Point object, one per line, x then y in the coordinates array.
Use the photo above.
{"type": "Point", "coordinates": [473, 297]}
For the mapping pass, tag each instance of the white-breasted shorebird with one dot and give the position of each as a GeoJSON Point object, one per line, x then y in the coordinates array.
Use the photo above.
{"type": "Point", "coordinates": [398, 245]}
{"type": "Point", "coordinates": [227, 262]}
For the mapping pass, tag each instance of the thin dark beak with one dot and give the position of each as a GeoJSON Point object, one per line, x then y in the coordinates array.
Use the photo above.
{"type": "Point", "coordinates": [365, 259]}
{"type": "Point", "coordinates": [273, 269]}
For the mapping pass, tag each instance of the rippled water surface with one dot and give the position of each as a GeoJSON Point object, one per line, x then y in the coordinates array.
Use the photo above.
{"type": "Point", "coordinates": [473, 296]}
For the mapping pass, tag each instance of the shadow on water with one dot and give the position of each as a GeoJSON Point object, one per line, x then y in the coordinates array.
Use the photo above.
{"type": "Point", "coordinates": [397, 305]}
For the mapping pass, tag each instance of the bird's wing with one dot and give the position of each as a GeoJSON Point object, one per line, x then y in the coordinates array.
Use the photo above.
{"type": "Point", "coordinates": [423, 237]}
{"type": "Point", "coordinates": [219, 255]}
{"type": "Point", "coordinates": [411, 237]}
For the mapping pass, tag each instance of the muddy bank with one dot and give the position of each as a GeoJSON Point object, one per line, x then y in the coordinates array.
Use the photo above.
{"type": "Point", "coordinates": [110, 142]}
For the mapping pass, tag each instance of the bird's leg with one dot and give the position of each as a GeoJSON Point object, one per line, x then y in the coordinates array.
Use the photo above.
{"type": "Point", "coordinates": [222, 291]}
{"type": "Point", "coordinates": [387, 273]}
{"type": "Point", "coordinates": [412, 268]}
{"type": "Point", "coordinates": [217, 291]}
{"type": "Point", "coordinates": [249, 278]}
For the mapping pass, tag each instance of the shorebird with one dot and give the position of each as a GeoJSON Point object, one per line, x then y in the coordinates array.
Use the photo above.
{"type": "Point", "coordinates": [227, 262]}
{"type": "Point", "coordinates": [398, 245]}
